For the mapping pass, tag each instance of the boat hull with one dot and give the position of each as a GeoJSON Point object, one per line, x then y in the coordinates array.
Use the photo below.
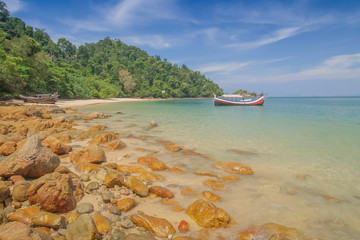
{"type": "Point", "coordinates": [246, 102]}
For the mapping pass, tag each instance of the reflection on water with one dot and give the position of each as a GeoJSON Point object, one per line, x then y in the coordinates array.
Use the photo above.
{"type": "Point", "coordinates": [304, 152]}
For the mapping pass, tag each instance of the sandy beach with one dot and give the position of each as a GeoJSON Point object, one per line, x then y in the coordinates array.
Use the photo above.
{"type": "Point", "coordinates": [84, 102]}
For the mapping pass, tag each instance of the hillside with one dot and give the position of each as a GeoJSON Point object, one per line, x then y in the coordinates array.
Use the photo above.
{"type": "Point", "coordinates": [31, 62]}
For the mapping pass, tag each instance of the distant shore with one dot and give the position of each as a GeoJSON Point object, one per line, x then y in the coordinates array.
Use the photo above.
{"type": "Point", "coordinates": [85, 102]}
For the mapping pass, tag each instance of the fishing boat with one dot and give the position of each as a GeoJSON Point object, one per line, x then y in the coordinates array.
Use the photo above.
{"type": "Point", "coordinates": [239, 100]}
{"type": "Point", "coordinates": [41, 98]}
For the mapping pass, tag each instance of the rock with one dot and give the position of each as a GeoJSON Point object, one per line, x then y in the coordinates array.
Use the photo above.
{"type": "Point", "coordinates": [18, 230]}
{"type": "Point", "coordinates": [114, 210]}
{"type": "Point", "coordinates": [85, 208]}
{"type": "Point", "coordinates": [85, 177]}
{"type": "Point", "coordinates": [92, 186]}
{"type": "Point", "coordinates": [134, 236]}
{"type": "Point", "coordinates": [153, 124]}
{"type": "Point", "coordinates": [55, 145]}
{"type": "Point", "coordinates": [32, 160]}
{"type": "Point", "coordinates": [87, 167]}
{"type": "Point", "coordinates": [172, 147]}
{"type": "Point", "coordinates": [272, 231]}
{"type": "Point", "coordinates": [4, 191]}
{"type": "Point", "coordinates": [34, 216]}
{"type": "Point", "coordinates": [102, 224]}
{"type": "Point", "coordinates": [7, 148]}
{"type": "Point", "coordinates": [137, 186]}
{"type": "Point", "coordinates": [54, 192]}
{"type": "Point", "coordinates": [130, 169]}
{"type": "Point", "coordinates": [188, 192]}
{"type": "Point", "coordinates": [230, 178]}
{"type": "Point", "coordinates": [161, 192]}
{"type": "Point", "coordinates": [96, 128]}
{"type": "Point", "coordinates": [96, 115]}
{"type": "Point", "coordinates": [207, 215]}
{"type": "Point", "coordinates": [71, 216]}
{"type": "Point", "coordinates": [126, 204]}
{"type": "Point", "coordinates": [205, 173]}
{"type": "Point", "coordinates": [209, 196]}
{"type": "Point", "coordinates": [103, 138]}
{"type": "Point", "coordinates": [214, 184]}
{"type": "Point", "coordinates": [150, 177]}
{"type": "Point", "coordinates": [184, 226]}
{"type": "Point", "coordinates": [91, 154]}
{"type": "Point", "coordinates": [117, 145]}
{"type": "Point", "coordinates": [158, 226]}
{"type": "Point", "coordinates": [112, 179]}
{"type": "Point", "coordinates": [82, 228]}
{"type": "Point", "coordinates": [234, 167]}
{"type": "Point", "coordinates": [20, 189]}
{"type": "Point", "coordinates": [16, 178]}
{"type": "Point", "coordinates": [153, 163]}
{"type": "Point", "coordinates": [106, 196]}
{"type": "Point", "coordinates": [176, 170]}
{"type": "Point", "coordinates": [62, 169]}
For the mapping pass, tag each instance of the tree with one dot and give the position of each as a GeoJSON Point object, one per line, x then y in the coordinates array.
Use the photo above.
{"type": "Point", "coordinates": [127, 81]}
{"type": "Point", "coordinates": [67, 49]}
{"type": "Point", "coordinates": [4, 13]}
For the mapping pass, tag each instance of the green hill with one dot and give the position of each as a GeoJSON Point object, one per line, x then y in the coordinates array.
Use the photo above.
{"type": "Point", "coordinates": [31, 62]}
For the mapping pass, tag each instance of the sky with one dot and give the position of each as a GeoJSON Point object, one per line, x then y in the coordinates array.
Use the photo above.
{"type": "Point", "coordinates": [279, 47]}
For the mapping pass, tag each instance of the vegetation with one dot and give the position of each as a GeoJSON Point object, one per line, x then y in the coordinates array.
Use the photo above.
{"type": "Point", "coordinates": [31, 62]}
{"type": "Point", "coordinates": [246, 93]}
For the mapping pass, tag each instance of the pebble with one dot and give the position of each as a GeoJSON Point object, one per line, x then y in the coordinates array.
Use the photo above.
{"type": "Point", "coordinates": [85, 177]}
{"type": "Point", "coordinates": [114, 210]}
{"type": "Point", "coordinates": [107, 196]}
{"type": "Point", "coordinates": [85, 208]}
{"type": "Point", "coordinates": [126, 222]}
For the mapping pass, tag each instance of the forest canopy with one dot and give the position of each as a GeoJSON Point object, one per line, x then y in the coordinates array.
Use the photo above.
{"type": "Point", "coordinates": [31, 62]}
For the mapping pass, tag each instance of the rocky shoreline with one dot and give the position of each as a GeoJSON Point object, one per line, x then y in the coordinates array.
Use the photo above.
{"type": "Point", "coordinates": [63, 176]}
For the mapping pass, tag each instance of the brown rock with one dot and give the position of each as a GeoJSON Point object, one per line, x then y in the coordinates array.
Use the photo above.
{"type": "Point", "coordinates": [20, 189]}
{"type": "Point", "coordinates": [150, 177]}
{"type": "Point", "coordinates": [153, 163]}
{"type": "Point", "coordinates": [184, 226]}
{"type": "Point", "coordinates": [91, 154]}
{"type": "Point", "coordinates": [83, 228]}
{"type": "Point", "coordinates": [209, 196]}
{"type": "Point", "coordinates": [34, 216]}
{"type": "Point", "coordinates": [7, 148]}
{"type": "Point", "coordinates": [272, 231]}
{"type": "Point", "coordinates": [96, 115]}
{"type": "Point", "coordinates": [130, 169]}
{"type": "Point", "coordinates": [207, 215]}
{"type": "Point", "coordinates": [87, 167]}
{"type": "Point", "coordinates": [54, 192]}
{"type": "Point", "coordinates": [103, 138]}
{"type": "Point", "coordinates": [32, 160]}
{"type": "Point", "coordinates": [71, 216]}
{"type": "Point", "coordinates": [55, 145]}
{"type": "Point", "coordinates": [96, 128]}
{"type": "Point", "coordinates": [62, 169]}
{"type": "Point", "coordinates": [176, 170]}
{"type": "Point", "coordinates": [134, 236]}
{"type": "Point", "coordinates": [214, 184]}
{"type": "Point", "coordinates": [205, 173]}
{"type": "Point", "coordinates": [102, 224]}
{"type": "Point", "coordinates": [112, 179]}
{"type": "Point", "coordinates": [117, 145]}
{"type": "Point", "coordinates": [234, 167]}
{"type": "Point", "coordinates": [4, 191]}
{"type": "Point", "coordinates": [172, 147]}
{"type": "Point", "coordinates": [137, 186]}
{"type": "Point", "coordinates": [125, 204]}
{"type": "Point", "coordinates": [230, 178]}
{"type": "Point", "coordinates": [18, 230]}
{"type": "Point", "coordinates": [161, 192]}
{"type": "Point", "coordinates": [188, 192]}
{"type": "Point", "coordinates": [16, 178]}
{"type": "Point", "coordinates": [158, 226]}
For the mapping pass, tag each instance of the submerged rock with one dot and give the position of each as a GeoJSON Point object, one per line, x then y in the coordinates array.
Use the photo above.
{"type": "Point", "coordinates": [161, 192]}
{"type": "Point", "coordinates": [32, 160]}
{"type": "Point", "coordinates": [137, 186]}
{"type": "Point", "coordinates": [91, 154]}
{"type": "Point", "coordinates": [234, 167]}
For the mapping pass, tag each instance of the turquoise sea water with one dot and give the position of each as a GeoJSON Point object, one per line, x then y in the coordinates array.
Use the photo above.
{"type": "Point", "coordinates": [304, 151]}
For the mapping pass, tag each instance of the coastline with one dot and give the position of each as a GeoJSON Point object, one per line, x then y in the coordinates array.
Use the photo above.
{"type": "Point", "coordinates": [64, 103]}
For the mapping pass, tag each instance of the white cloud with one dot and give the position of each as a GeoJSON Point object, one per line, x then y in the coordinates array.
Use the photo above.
{"type": "Point", "coordinates": [223, 68]}
{"type": "Point", "coordinates": [154, 41]}
{"type": "Point", "coordinates": [14, 5]}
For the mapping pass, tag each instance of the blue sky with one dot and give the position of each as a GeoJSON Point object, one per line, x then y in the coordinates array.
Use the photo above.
{"type": "Point", "coordinates": [284, 48]}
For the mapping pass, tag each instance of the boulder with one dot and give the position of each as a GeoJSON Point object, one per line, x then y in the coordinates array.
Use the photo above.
{"type": "Point", "coordinates": [83, 228]}
{"type": "Point", "coordinates": [7, 148]}
{"type": "Point", "coordinates": [18, 230]}
{"type": "Point", "coordinates": [113, 178]}
{"type": "Point", "coordinates": [87, 167]}
{"type": "Point", "coordinates": [4, 191]}
{"type": "Point", "coordinates": [32, 160]}
{"type": "Point", "coordinates": [271, 231]}
{"type": "Point", "coordinates": [117, 145]}
{"type": "Point", "coordinates": [102, 224]}
{"type": "Point", "coordinates": [161, 192]}
{"type": "Point", "coordinates": [158, 226]}
{"type": "Point", "coordinates": [35, 216]}
{"type": "Point", "coordinates": [137, 186]}
{"type": "Point", "coordinates": [54, 192]}
{"type": "Point", "coordinates": [125, 204]}
{"type": "Point", "coordinates": [55, 145]}
{"type": "Point", "coordinates": [20, 189]}
{"type": "Point", "coordinates": [103, 138]}
{"type": "Point", "coordinates": [207, 215]}
{"type": "Point", "coordinates": [91, 154]}
{"type": "Point", "coordinates": [234, 167]}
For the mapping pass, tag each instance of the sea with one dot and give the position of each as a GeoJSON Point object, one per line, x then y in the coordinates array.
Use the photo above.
{"type": "Point", "coordinates": [305, 152]}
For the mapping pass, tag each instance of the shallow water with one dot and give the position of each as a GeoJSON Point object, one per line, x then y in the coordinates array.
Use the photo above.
{"type": "Point", "coordinates": [304, 152]}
